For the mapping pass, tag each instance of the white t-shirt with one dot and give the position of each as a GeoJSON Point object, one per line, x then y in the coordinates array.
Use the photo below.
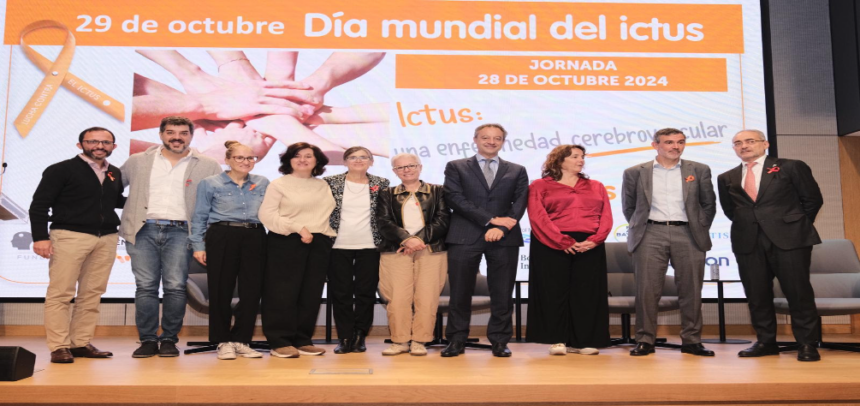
{"type": "Point", "coordinates": [413, 218]}
{"type": "Point", "coordinates": [354, 232]}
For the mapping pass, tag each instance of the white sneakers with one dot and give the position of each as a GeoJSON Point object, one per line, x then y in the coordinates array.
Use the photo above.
{"type": "Point", "coordinates": [417, 349]}
{"type": "Point", "coordinates": [243, 350]}
{"type": "Point", "coordinates": [226, 351]}
{"type": "Point", "coordinates": [229, 351]}
{"type": "Point", "coordinates": [557, 349]}
{"type": "Point", "coordinates": [396, 349]}
{"type": "Point", "coordinates": [561, 349]}
{"type": "Point", "coordinates": [583, 351]}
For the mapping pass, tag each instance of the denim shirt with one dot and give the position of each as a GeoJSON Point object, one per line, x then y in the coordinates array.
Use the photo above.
{"type": "Point", "coordinates": [219, 198]}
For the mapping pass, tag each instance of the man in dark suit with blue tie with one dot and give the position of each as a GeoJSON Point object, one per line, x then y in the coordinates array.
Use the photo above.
{"type": "Point", "coordinates": [772, 203]}
{"type": "Point", "coordinates": [488, 196]}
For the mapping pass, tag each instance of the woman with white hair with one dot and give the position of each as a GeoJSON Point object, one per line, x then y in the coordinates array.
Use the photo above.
{"type": "Point", "coordinates": [413, 221]}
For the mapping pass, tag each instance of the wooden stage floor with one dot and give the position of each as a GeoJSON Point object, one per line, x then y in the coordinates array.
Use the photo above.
{"type": "Point", "coordinates": [530, 377]}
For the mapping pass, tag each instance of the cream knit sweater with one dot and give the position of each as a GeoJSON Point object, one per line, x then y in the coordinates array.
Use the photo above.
{"type": "Point", "coordinates": [292, 203]}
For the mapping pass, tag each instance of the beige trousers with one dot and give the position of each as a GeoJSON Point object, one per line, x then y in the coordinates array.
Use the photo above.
{"type": "Point", "coordinates": [412, 284]}
{"type": "Point", "coordinates": [83, 261]}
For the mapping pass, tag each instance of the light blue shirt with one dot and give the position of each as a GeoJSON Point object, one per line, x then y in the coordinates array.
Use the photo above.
{"type": "Point", "coordinates": [219, 198]}
{"type": "Point", "coordinates": [667, 194]}
{"type": "Point", "coordinates": [494, 163]}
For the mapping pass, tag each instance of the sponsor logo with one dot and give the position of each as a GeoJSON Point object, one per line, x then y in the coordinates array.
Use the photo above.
{"type": "Point", "coordinates": [721, 261]}
{"type": "Point", "coordinates": [719, 235]}
{"type": "Point", "coordinates": [22, 241]}
{"type": "Point", "coordinates": [620, 233]}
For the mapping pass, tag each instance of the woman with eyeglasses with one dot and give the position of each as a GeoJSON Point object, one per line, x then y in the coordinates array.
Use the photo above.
{"type": "Point", "coordinates": [228, 238]}
{"type": "Point", "coordinates": [296, 210]}
{"type": "Point", "coordinates": [353, 273]}
{"type": "Point", "coordinates": [413, 223]}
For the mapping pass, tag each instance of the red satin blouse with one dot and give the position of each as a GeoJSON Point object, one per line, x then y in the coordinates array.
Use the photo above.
{"type": "Point", "coordinates": [555, 208]}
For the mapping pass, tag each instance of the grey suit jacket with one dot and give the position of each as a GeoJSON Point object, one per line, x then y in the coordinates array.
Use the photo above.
{"type": "Point", "coordinates": [474, 203]}
{"type": "Point", "coordinates": [136, 172]}
{"type": "Point", "coordinates": [700, 202]}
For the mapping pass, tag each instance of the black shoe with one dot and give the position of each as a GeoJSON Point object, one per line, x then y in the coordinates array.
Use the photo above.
{"type": "Point", "coordinates": [808, 352]}
{"type": "Point", "coordinates": [358, 341]}
{"type": "Point", "coordinates": [344, 346]}
{"type": "Point", "coordinates": [501, 350]}
{"type": "Point", "coordinates": [642, 349]}
{"type": "Point", "coordinates": [696, 349]}
{"type": "Point", "coordinates": [168, 349]}
{"type": "Point", "coordinates": [760, 349]}
{"type": "Point", "coordinates": [454, 349]}
{"type": "Point", "coordinates": [147, 349]}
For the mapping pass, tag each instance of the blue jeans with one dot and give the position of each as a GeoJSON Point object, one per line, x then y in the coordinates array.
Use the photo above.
{"type": "Point", "coordinates": [159, 255]}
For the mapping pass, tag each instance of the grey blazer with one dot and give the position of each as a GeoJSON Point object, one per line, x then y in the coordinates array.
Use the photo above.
{"type": "Point", "coordinates": [700, 201]}
{"type": "Point", "coordinates": [136, 172]}
{"type": "Point", "coordinates": [474, 203]}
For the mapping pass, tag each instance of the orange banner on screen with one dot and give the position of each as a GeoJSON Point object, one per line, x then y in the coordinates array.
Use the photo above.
{"type": "Point", "coordinates": [393, 24]}
{"type": "Point", "coordinates": [560, 73]}
{"type": "Point", "coordinates": [56, 75]}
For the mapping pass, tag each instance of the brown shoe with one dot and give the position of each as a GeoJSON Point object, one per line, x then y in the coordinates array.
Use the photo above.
{"type": "Point", "coordinates": [62, 356]}
{"type": "Point", "coordinates": [311, 350]}
{"type": "Point", "coordinates": [285, 352]}
{"type": "Point", "coordinates": [90, 351]}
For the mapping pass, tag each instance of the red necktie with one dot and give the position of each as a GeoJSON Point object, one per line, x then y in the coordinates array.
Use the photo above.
{"type": "Point", "coordinates": [749, 182]}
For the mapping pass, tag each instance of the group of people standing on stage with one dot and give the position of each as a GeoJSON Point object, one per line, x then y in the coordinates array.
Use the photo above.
{"type": "Point", "coordinates": [362, 235]}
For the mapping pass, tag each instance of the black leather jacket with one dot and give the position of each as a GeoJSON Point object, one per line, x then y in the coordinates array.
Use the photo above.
{"type": "Point", "coordinates": [390, 217]}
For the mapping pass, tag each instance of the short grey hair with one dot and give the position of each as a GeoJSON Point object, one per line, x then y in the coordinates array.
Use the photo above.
{"type": "Point", "coordinates": [405, 155]}
{"type": "Point", "coordinates": [667, 131]}
{"type": "Point", "coordinates": [760, 134]}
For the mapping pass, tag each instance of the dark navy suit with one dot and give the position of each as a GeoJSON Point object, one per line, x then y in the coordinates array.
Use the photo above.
{"type": "Point", "coordinates": [474, 204]}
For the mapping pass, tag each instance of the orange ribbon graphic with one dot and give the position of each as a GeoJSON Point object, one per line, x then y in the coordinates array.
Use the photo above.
{"type": "Point", "coordinates": [57, 74]}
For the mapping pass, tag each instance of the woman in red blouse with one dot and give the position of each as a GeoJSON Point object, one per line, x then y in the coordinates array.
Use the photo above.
{"type": "Point", "coordinates": [570, 218]}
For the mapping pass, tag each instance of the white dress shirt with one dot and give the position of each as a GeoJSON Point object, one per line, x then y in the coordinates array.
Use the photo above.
{"type": "Point", "coordinates": [667, 194]}
{"type": "Point", "coordinates": [167, 189]}
{"type": "Point", "coordinates": [756, 171]}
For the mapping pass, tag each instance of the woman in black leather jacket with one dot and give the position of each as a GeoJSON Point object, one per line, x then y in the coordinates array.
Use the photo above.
{"type": "Point", "coordinates": [413, 221]}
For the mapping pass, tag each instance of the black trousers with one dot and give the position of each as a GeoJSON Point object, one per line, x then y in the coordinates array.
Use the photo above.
{"type": "Point", "coordinates": [234, 253]}
{"type": "Point", "coordinates": [463, 263]}
{"type": "Point", "coordinates": [568, 296]}
{"type": "Point", "coordinates": [294, 280]}
{"type": "Point", "coordinates": [791, 268]}
{"type": "Point", "coordinates": [353, 276]}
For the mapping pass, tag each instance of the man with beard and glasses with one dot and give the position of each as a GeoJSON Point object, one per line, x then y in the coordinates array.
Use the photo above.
{"type": "Point", "coordinates": [82, 194]}
{"type": "Point", "coordinates": [161, 201]}
{"type": "Point", "coordinates": [669, 204]}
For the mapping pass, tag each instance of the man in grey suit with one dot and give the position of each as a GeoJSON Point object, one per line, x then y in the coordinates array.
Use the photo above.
{"type": "Point", "coordinates": [488, 196]}
{"type": "Point", "coordinates": [669, 204]}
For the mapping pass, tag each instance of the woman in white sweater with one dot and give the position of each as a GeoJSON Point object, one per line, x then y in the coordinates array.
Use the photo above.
{"type": "Point", "coordinates": [296, 210]}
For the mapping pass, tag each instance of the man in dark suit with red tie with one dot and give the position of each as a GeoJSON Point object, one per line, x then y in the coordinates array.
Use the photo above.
{"type": "Point", "coordinates": [772, 204]}
{"type": "Point", "coordinates": [487, 196]}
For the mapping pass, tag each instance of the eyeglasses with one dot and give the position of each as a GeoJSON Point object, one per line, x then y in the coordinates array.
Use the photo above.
{"type": "Point", "coordinates": [746, 142]}
{"type": "Point", "coordinates": [411, 167]}
{"type": "Point", "coordinates": [93, 143]}
{"type": "Point", "coordinates": [361, 158]}
{"type": "Point", "coordinates": [245, 158]}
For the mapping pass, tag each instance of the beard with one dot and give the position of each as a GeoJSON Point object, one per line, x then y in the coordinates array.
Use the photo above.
{"type": "Point", "coordinates": [182, 149]}
{"type": "Point", "coordinates": [90, 153]}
